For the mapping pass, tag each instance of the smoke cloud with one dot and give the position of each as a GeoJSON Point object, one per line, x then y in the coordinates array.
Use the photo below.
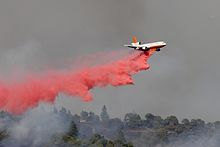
{"type": "Point", "coordinates": [36, 127]}
{"type": "Point", "coordinates": [19, 96]}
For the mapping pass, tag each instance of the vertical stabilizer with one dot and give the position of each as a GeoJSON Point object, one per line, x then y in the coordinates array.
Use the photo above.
{"type": "Point", "coordinates": [134, 39]}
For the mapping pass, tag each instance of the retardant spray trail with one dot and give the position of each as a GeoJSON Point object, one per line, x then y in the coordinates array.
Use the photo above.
{"type": "Point", "coordinates": [19, 97]}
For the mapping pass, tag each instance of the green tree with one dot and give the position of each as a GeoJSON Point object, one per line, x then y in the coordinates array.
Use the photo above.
{"type": "Point", "coordinates": [197, 123]}
{"type": "Point", "coordinates": [132, 120]}
{"type": "Point", "coordinates": [115, 123]}
{"type": "Point", "coordinates": [3, 134]}
{"type": "Point", "coordinates": [97, 141]}
{"type": "Point", "coordinates": [92, 117]}
{"type": "Point", "coordinates": [110, 144]}
{"type": "Point", "coordinates": [121, 138]}
{"type": "Point", "coordinates": [153, 121]}
{"type": "Point", "coordinates": [171, 121]}
{"type": "Point", "coordinates": [73, 131]}
{"type": "Point", "coordinates": [104, 114]}
{"type": "Point", "coordinates": [76, 118]}
{"type": "Point", "coordinates": [185, 121]}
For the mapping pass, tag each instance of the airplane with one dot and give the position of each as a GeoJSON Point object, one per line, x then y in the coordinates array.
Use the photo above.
{"type": "Point", "coordinates": [146, 47]}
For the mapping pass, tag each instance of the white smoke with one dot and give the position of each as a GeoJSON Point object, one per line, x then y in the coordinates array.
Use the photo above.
{"type": "Point", "coordinates": [203, 141]}
{"type": "Point", "coordinates": [36, 127]}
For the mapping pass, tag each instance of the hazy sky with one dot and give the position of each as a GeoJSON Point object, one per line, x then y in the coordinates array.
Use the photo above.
{"type": "Point", "coordinates": [184, 78]}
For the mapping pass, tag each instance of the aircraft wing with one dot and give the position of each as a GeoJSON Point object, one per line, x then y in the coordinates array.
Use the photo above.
{"type": "Point", "coordinates": [144, 45]}
{"type": "Point", "coordinates": [131, 46]}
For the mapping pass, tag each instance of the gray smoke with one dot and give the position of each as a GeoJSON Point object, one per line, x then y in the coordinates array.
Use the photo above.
{"type": "Point", "coordinates": [36, 127]}
{"type": "Point", "coordinates": [201, 141]}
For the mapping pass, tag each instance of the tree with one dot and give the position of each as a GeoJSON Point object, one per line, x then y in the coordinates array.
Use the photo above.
{"type": "Point", "coordinates": [63, 110]}
{"type": "Point", "coordinates": [92, 117]}
{"type": "Point", "coordinates": [76, 118]}
{"type": "Point", "coordinates": [104, 114]}
{"type": "Point", "coordinates": [110, 144]}
{"type": "Point", "coordinates": [171, 121]}
{"type": "Point", "coordinates": [198, 123]}
{"type": "Point", "coordinates": [97, 141]}
{"type": "Point", "coordinates": [73, 131]}
{"type": "Point", "coordinates": [120, 138]}
{"type": "Point", "coordinates": [3, 134]}
{"type": "Point", "coordinates": [217, 124]}
{"type": "Point", "coordinates": [185, 121]}
{"type": "Point", "coordinates": [132, 120]}
{"type": "Point", "coordinates": [115, 123]}
{"type": "Point", "coordinates": [153, 121]}
{"type": "Point", "coordinates": [84, 115]}
{"type": "Point", "coordinates": [68, 139]}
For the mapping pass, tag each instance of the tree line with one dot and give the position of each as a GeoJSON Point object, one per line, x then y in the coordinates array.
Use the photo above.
{"type": "Point", "coordinates": [88, 129]}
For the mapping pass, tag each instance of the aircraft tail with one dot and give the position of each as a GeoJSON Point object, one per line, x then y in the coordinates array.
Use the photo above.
{"type": "Point", "coordinates": [134, 41]}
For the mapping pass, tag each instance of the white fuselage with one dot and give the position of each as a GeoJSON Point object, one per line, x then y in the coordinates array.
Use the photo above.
{"type": "Point", "coordinates": [155, 44]}
{"type": "Point", "coordinates": [148, 46]}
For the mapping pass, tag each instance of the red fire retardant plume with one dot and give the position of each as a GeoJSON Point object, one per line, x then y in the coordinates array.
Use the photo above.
{"type": "Point", "coordinates": [18, 97]}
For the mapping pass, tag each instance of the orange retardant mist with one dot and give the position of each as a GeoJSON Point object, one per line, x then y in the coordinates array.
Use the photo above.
{"type": "Point", "coordinates": [24, 95]}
